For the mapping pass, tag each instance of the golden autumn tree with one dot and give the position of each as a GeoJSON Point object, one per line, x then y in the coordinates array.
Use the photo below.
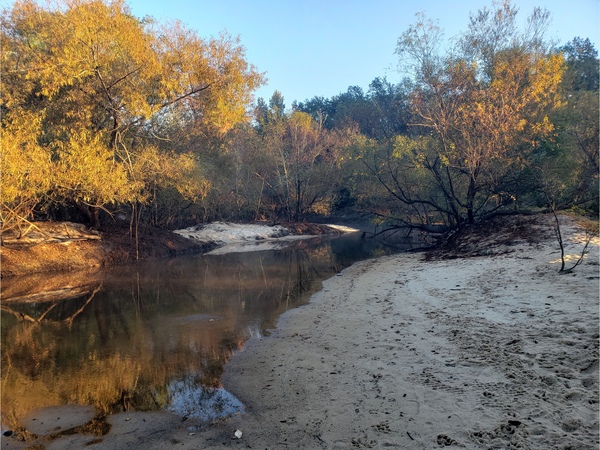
{"type": "Point", "coordinates": [26, 168]}
{"type": "Point", "coordinates": [485, 103]}
{"type": "Point", "coordinates": [103, 83]}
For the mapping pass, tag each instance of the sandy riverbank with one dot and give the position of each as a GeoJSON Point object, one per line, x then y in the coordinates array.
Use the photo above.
{"type": "Point", "coordinates": [489, 351]}
{"type": "Point", "coordinates": [484, 352]}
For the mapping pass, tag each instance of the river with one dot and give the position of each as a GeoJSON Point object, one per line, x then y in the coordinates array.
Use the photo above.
{"type": "Point", "coordinates": [157, 335]}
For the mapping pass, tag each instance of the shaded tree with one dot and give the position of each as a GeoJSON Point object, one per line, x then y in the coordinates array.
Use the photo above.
{"type": "Point", "coordinates": [578, 121]}
{"type": "Point", "coordinates": [380, 113]}
{"type": "Point", "coordinates": [582, 72]}
{"type": "Point", "coordinates": [288, 165]}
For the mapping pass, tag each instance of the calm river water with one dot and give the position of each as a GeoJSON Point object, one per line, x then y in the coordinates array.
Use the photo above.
{"type": "Point", "coordinates": [157, 336]}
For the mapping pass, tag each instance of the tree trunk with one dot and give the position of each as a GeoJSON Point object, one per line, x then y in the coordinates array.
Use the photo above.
{"type": "Point", "coordinates": [471, 201]}
{"type": "Point", "coordinates": [94, 217]}
{"type": "Point", "coordinates": [298, 200]}
{"type": "Point", "coordinates": [262, 189]}
{"type": "Point", "coordinates": [91, 213]}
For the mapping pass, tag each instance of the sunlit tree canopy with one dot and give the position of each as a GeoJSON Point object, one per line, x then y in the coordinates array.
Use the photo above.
{"type": "Point", "coordinates": [99, 81]}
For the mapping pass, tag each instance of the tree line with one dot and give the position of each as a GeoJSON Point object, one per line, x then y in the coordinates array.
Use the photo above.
{"type": "Point", "coordinates": [105, 114]}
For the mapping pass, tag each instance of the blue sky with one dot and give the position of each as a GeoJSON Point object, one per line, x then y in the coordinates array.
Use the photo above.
{"type": "Point", "coordinates": [320, 47]}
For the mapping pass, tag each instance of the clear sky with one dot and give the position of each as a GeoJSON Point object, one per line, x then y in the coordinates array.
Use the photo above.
{"type": "Point", "coordinates": [320, 47]}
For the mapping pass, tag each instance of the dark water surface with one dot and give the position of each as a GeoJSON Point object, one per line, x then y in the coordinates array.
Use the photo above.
{"type": "Point", "coordinates": [157, 336]}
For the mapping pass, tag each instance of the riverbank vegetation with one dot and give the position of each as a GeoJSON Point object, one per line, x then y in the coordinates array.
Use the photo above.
{"type": "Point", "coordinates": [106, 116]}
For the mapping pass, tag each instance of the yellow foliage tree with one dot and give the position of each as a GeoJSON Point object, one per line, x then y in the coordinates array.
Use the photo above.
{"type": "Point", "coordinates": [103, 79]}
{"type": "Point", "coordinates": [486, 103]}
{"type": "Point", "coordinates": [26, 169]}
{"type": "Point", "coordinates": [83, 166]}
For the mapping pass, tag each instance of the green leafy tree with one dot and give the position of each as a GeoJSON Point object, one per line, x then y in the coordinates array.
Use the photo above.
{"type": "Point", "coordinates": [578, 121]}
{"type": "Point", "coordinates": [582, 72]}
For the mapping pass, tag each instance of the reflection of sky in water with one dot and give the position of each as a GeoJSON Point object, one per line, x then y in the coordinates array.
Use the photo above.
{"type": "Point", "coordinates": [188, 399]}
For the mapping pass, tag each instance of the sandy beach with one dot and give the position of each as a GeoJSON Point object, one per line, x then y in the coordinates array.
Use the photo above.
{"type": "Point", "coordinates": [490, 350]}
{"type": "Point", "coordinates": [494, 351]}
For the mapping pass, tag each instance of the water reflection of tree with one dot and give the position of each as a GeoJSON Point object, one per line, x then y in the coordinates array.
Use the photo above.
{"type": "Point", "coordinates": [30, 311]}
{"type": "Point", "coordinates": [119, 346]}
